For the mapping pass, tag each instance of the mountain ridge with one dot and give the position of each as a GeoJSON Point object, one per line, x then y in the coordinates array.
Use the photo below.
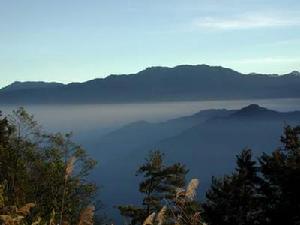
{"type": "Point", "coordinates": [151, 68]}
{"type": "Point", "coordinates": [23, 85]}
{"type": "Point", "coordinates": [206, 142]}
{"type": "Point", "coordinates": [180, 83]}
{"type": "Point", "coordinates": [134, 133]}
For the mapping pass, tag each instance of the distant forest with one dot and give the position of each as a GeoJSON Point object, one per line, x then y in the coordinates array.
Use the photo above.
{"type": "Point", "coordinates": [180, 83]}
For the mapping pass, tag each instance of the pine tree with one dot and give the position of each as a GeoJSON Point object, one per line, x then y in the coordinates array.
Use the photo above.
{"type": "Point", "coordinates": [234, 199]}
{"type": "Point", "coordinates": [5, 131]}
{"type": "Point", "coordinates": [282, 180]}
{"type": "Point", "coordinates": [158, 187]}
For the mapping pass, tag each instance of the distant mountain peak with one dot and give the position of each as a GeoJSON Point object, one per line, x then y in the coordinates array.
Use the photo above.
{"type": "Point", "coordinates": [294, 73]}
{"type": "Point", "coordinates": [187, 68]}
{"type": "Point", "coordinates": [254, 110]}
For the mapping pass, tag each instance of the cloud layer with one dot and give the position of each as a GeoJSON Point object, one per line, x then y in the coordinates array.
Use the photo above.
{"type": "Point", "coordinates": [247, 21]}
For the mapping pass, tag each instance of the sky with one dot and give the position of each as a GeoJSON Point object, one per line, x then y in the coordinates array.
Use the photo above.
{"type": "Point", "coordinates": [78, 40]}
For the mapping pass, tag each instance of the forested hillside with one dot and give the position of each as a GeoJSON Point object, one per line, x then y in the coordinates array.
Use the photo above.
{"type": "Point", "coordinates": [44, 180]}
{"type": "Point", "coordinates": [158, 84]}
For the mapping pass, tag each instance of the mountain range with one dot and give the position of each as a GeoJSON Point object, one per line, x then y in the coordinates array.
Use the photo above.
{"type": "Point", "coordinates": [206, 142]}
{"type": "Point", "coordinates": [180, 83]}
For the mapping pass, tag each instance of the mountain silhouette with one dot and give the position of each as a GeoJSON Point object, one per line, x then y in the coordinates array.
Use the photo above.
{"type": "Point", "coordinates": [205, 142]}
{"type": "Point", "coordinates": [17, 86]}
{"type": "Point", "coordinates": [180, 83]}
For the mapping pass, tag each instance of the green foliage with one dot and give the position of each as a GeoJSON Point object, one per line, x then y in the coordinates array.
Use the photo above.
{"type": "Point", "coordinates": [43, 181]}
{"type": "Point", "coordinates": [282, 179]}
{"type": "Point", "coordinates": [34, 168]}
{"type": "Point", "coordinates": [2, 200]}
{"type": "Point", "coordinates": [267, 193]}
{"type": "Point", "coordinates": [234, 199]}
{"type": "Point", "coordinates": [159, 186]}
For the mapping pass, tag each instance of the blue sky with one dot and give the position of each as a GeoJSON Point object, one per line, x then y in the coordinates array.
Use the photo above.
{"type": "Point", "coordinates": [78, 40]}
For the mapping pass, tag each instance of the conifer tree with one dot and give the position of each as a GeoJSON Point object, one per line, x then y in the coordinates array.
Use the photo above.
{"type": "Point", "coordinates": [5, 131]}
{"type": "Point", "coordinates": [234, 199]}
{"type": "Point", "coordinates": [158, 187]}
{"type": "Point", "coordinates": [282, 180]}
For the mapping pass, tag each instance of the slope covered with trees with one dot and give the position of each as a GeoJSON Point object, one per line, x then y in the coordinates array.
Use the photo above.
{"type": "Point", "coordinates": [181, 83]}
{"type": "Point", "coordinates": [263, 191]}
{"type": "Point", "coordinates": [44, 180]}
{"type": "Point", "coordinates": [42, 173]}
{"type": "Point", "coordinates": [266, 191]}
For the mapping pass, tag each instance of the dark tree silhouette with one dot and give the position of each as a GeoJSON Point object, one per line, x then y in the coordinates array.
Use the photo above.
{"type": "Point", "coordinates": [159, 186]}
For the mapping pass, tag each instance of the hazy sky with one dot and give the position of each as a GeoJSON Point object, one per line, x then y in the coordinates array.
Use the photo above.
{"type": "Point", "coordinates": [78, 40]}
